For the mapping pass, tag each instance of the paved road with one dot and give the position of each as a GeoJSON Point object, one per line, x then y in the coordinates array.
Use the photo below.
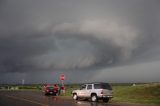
{"type": "Point", "coordinates": [36, 98]}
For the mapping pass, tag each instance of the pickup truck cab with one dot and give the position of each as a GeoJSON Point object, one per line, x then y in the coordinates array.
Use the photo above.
{"type": "Point", "coordinates": [94, 91]}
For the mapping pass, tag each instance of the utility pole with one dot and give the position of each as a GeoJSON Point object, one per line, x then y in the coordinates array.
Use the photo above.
{"type": "Point", "coordinates": [23, 83]}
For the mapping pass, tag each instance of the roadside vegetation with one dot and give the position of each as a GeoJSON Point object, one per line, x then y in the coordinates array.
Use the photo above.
{"type": "Point", "coordinates": [142, 93]}
{"type": "Point", "coordinates": [124, 93]}
{"type": "Point", "coordinates": [21, 87]}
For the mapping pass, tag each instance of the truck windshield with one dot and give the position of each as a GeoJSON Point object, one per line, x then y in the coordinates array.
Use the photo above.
{"type": "Point", "coordinates": [50, 88]}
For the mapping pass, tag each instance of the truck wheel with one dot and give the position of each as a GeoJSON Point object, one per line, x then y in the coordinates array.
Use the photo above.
{"type": "Point", "coordinates": [105, 100]}
{"type": "Point", "coordinates": [75, 97]}
{"type": "Point", "coordinates": [94, 98]}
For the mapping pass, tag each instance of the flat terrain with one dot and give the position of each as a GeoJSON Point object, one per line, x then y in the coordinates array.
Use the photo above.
{"type": "Point", "coordinates": [131, 93]}
{"type": "Point", "coordinates": [143, 93]}
{"type": "Point", "coordinates": [37, 98]}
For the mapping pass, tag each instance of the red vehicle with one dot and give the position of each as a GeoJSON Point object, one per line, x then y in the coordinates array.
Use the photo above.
{"type": "Point", "coordinates": [51, 89]}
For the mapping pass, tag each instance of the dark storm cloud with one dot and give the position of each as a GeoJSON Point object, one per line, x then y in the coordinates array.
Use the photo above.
{"type": "Point", "coordinates": [67, 48]}
{"type": "Point", "coordinates": [17, 50]}
{"type": "Point", "coordinates": [40, 36]}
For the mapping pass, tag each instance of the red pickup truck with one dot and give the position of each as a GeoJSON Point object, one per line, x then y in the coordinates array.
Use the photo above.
{"type": "Point", "coordinates": [51, 89]}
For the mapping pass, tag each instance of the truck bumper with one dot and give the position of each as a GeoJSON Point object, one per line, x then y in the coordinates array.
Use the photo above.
{"type": "Point", "coordinates": [105, 96]}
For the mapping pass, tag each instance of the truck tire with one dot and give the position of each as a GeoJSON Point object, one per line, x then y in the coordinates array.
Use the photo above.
{"type": "Point", "coordinates": [75, 97]}
{"type": "Point", "coordinates": [94, 98]}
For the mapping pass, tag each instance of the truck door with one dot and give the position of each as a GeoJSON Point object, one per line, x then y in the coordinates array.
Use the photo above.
{"type": "Point", "coordinates": [89, 90]}
{"type": "Point", "coordinates": [82, 91]}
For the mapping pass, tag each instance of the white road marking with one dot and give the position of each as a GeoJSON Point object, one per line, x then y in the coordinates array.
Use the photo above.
{"type": "Point", "coordinates": [13, 97]}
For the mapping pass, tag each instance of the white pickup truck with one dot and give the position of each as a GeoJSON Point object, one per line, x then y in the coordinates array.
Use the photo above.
{"type": "Point", "coordinates": [94, 91]}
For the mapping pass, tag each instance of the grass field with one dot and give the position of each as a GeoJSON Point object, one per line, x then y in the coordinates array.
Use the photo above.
{"type": "Point", "coordinates": [144, 93]}
{"type": "Point", "coordinates": [124, 93]}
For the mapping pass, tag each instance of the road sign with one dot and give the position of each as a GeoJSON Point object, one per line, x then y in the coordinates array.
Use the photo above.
{"type": "Point", "coordinates": [62, 77]}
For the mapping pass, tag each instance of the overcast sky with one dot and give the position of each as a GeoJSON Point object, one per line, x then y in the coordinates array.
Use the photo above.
{"type": "Point", "coordinates": [87, 40]}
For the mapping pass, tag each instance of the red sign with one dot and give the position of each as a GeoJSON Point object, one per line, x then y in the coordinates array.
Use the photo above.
{"type": "Point", "coordinates": [62, 77]}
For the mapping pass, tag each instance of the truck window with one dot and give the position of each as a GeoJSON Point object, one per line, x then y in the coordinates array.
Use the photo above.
{"type": "Point", "coordinates": [97, 86]}
{"type": "Point", "coordinates": [89, 87]}
{"type": "Point", "coordinates": [83, 87]}
{"type": "Point", "coordinates": [102, 86]}
{"type": "Point", "coordinates": [106, 86]}
{"type": "Point", "coordinates": [50, 88]}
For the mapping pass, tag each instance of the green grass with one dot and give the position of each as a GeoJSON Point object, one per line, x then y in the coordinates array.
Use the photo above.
{"type": "Point", "coordinates": [20, 87]}
{"type": "Point", "coordinates": [146, 93]}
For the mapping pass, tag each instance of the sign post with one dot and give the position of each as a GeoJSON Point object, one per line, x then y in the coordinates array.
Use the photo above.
{"type": "Point", "coordinates": [62, 78]}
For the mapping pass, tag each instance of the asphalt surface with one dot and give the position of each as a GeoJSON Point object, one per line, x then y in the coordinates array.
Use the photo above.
{"type": "Point", "coordinates": [37, 98]}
